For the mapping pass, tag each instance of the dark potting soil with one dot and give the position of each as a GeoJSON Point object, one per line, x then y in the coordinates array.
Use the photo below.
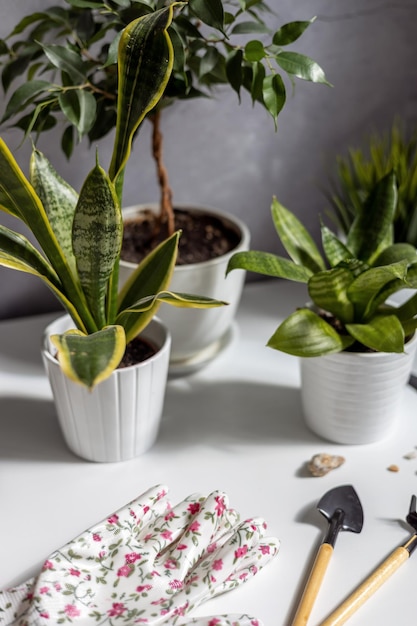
{"type": "Point", "coordinates": [137, 350]}
{"type": "Point", "coordinates": [203, 237]}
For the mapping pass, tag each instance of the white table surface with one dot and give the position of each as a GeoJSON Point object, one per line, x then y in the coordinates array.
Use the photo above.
{"type": "Point", "coordinates": [236, 426]}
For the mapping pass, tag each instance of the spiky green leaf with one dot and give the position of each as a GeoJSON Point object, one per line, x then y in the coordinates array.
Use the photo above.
{"type": "Point", "coordinates": [306, 334]}
{"type": "Point", "coordinates": [295, 238]}
{"type": "Point", "coordinates": [97, 239]}
{"type": "Point", "coordinates": [383, 333]}
{"type": "Point", "coordinates": [268, 264]}
{"type": "Point", "coordinates": [90, 359]}
{"type": "Point", "coordinates": [145, 63]}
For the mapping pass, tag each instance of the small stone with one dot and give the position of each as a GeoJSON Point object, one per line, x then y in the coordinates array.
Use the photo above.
{"type": "Point", "coordinates": [321, 464]}
{"type": "Point", "coordinates": [393, 468]}
{"type": "Point", "coordinates": [411, 455]}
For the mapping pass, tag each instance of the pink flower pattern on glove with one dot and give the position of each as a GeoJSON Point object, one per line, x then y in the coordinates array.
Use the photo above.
{"type": "Point", "coordinates": [150, 563]}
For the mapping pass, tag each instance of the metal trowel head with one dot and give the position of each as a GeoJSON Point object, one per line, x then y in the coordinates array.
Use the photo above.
{"type": "Point", "coordinates": [343, 499]}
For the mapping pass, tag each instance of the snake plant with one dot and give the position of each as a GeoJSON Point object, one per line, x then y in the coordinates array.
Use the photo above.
{"type": "Point", "coordinates": [349, 283]}
{"type": "Point", "coordinates": [80, 235]}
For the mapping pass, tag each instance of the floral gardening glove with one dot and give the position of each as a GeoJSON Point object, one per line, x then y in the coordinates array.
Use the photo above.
{"type": "Point", "coordinates": [147, 564]}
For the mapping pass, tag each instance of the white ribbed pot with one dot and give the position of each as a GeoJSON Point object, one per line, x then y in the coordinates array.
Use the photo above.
{"type": "Point", "coordinates": [119, 419]}
{"type": "Point", "coordinates": [198, 333]}
{"type": "Point", "coordinates": [354, 398]}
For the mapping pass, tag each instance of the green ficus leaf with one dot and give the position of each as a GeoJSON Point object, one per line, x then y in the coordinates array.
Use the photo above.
{"type": "Point", "coordinates": [79, 107]}
{"type": "Point", "coordinates": [210, 12]}
{"type": "Point", "coordinates": [209, 61]}
{"type": "Point", "coordinates": [258, 77]}
{"type": "Point", "coordinates": [248, 28]}
{"type": "Point", "coordinates": [254, 51]}
{"type": "Point", "coordinates": [67, 61]}
{"type": "Point", "coordinates": [288, 33]}
{"type": "Point", "coordinates": [301, 66]}
{"type": "Point", "coordinates": [234, 70]}
{"type": "Point", "coordinates": [23, 96]}
{"type": "Point", "coordinates": [273, 95]}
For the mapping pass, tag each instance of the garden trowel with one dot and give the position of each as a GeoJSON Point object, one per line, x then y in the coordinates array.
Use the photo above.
{"type": "Point", "coordinates": [342, 508]}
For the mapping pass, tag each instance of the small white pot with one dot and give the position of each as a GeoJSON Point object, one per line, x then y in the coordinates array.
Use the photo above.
{"type": "Point", "coordinates": [119, 419]}
{"type": "Point", "coordinates": [197, 334]}
{"type": "Point", "coordinates": [353, 398]}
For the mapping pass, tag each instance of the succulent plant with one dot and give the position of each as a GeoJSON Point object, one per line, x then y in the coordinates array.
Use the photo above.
{"type": "Point", "coordinates": [80, 235]}
{"type": "Point", "coordinates": [349, 283]}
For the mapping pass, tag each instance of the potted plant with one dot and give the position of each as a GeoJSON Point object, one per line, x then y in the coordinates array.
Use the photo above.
{"type": "Point", "coordinates": [356, 347]}
{"type": "Point", "coordinates": [216, 43]}
{"type": "Point", "coordinates": [107, 412]}
{"type": "Point", "coordinates": [358, 171]}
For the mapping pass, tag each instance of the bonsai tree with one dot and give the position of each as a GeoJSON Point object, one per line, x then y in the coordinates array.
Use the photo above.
{"type": "Point", "coordinates": [80, 235]}
{"type": "Point", "coordinates": [358, 171]}
{"type": "Point", "coordinates": [75, 78]}
{"type": "Point", "coordinates": [349, 283]}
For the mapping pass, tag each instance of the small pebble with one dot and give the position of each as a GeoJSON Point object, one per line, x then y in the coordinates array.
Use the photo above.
{"type": "Point", "coordinates": [411, 455]}
{"type": "Point", "coordinates": [393, 468]}
{"type": "Point", "coordinates": [322, 464]}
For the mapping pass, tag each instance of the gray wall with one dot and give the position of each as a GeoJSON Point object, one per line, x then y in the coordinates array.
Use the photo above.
{"type": "Point", "coordinates": [228, 156]}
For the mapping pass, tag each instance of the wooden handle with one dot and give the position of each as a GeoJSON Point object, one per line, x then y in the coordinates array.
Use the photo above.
{"type": "Point", "coordinates": [367, 588]}
{"type": "Point", "coordinates": [313, 585]}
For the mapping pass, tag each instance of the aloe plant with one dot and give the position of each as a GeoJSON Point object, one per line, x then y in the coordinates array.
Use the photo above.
{"type": "Point", "coordinates": [349, 283]}
{"type": "Point", "coordinates": [74, 78]}
{"type": "Point", "coordinates": [80, 235]}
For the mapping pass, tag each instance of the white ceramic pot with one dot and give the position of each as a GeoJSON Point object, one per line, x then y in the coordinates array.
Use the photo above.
{"type": "Point", "coordinates": [198, 334]}
{"type": "Point", "coordinates": [119, 419]}
{"type": "Point", "coordinates": [354, 398]}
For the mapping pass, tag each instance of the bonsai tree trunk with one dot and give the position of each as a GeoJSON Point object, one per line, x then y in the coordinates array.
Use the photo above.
{"type": "Point", "coordinates": [166, 208]}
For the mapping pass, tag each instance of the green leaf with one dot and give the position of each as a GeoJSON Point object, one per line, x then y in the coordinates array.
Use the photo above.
{"type": "Point", "coordinates": [254, 51]}
{"type": "Point", "coordinates": [371, 228]}
{"type": "Point", "coordinates": [96, 239]}
{"type": "Point", "coordinates": [301, 66]}
{"type": "Point", "coordinates": [90, 359]}
{"type": "Point", "coordinates": [306, 334]}
{"type": "Point", "coordinates": [17, 253]}
{"type": "Point", "coordinates": [209, 61]}
{"type": "Point", "coordinates": [368, 285]}
{"type": "Point", "coordinates": [145, 64]}
{"type": "Point", "coordinates": [396, 252]}
{"type": "Point", "coordinates": [234, 70]}
{"type": "Point", "coordinates": [383, 333]}
{"type": "Point", "coordinates": [288, 33]}
{"type": "Point", "coordinates": [257, 85]}
{"type": "Point", "coordinates": [79, 107]}
{"type": "Point", "coordinates": [247, 28]}
{"type": "Point", "coordinates": [67, 61]}
{"type": "Point", "coordinates": [295, 238]}
{"type": "Point", "coordinates": [113, 51]}
{"type": "Point", "coordinates": [23, 95]}
{"type": "Point", "coordinates": [59, 200]}
{"type": "Point", "coordinates": [328, 291]}
{"type": "Point", "coordinates": [210, 12]}
{"type": "Point", "coordinates": [273, 94]}
{"type": "Point", "coordinates": [18, 198]}
{"type": "Point", "coordinates": [333, 248]}
{"type": "Point", "coordinates": [152, 276]}
{"type": "Point", "coordinates": [268, 264]}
